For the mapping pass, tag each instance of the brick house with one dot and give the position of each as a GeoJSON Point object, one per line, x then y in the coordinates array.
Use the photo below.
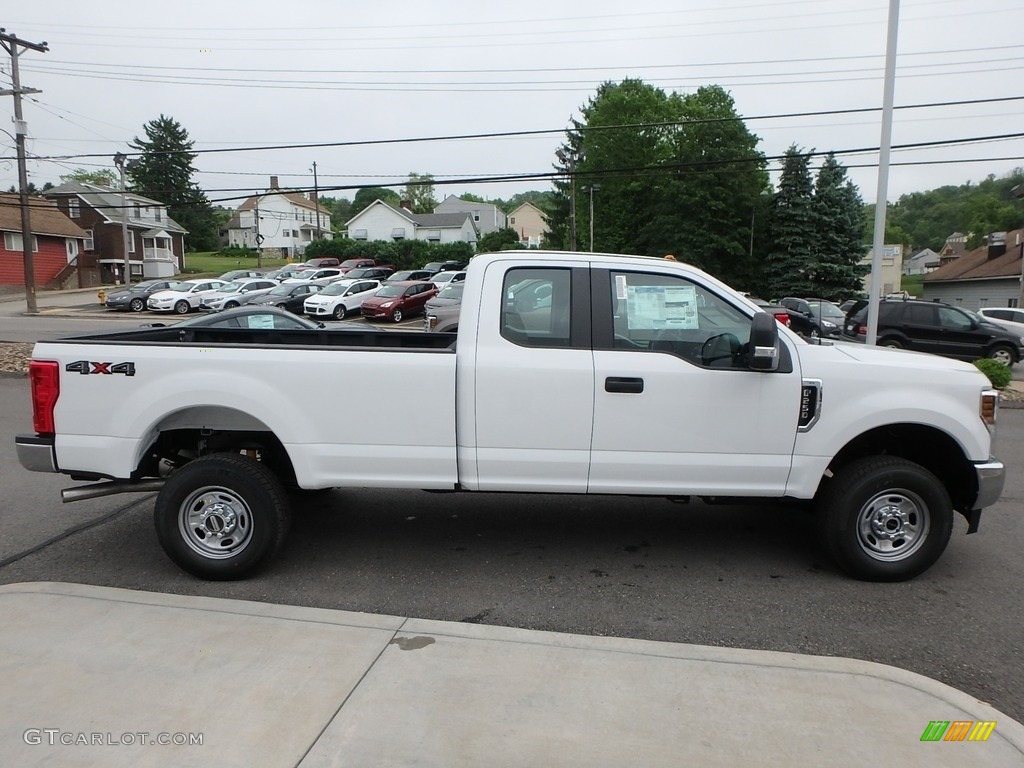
{"type": "Point", "coordinates": [56, 242]}
{"type": "Point", "coordinates": [156, 243]}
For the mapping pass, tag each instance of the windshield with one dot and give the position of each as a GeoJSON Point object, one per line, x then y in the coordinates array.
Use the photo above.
{"type": "Point", "coordinates": [390, 291]}
{"type": "Point", "coordinates": [827, 310]}
{"type": "Point", "coordinates": [177, 285]}
{"type": "Point", "coordinates": [335, 289]}
{"type": "Point", "coordinates": [453, 291]}
{"type": "Point", "coordinates": [145, 286]}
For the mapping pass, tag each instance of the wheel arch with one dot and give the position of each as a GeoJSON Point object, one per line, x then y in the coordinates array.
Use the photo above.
{"type": "Point", "coordinates": [930, 447]}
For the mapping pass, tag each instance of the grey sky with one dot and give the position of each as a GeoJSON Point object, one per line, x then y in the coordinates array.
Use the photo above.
{"type": "Point", "coordinates": [260, 73]}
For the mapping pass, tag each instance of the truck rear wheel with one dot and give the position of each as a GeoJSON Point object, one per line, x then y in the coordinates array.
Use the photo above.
{"type": "Point", "coordinates": [221, 517]}
{"type": "Point", "coordinates": [884, 519]}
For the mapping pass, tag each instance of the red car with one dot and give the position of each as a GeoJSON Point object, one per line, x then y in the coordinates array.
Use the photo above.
{"type": "Point", "coordinates": [397, 301]}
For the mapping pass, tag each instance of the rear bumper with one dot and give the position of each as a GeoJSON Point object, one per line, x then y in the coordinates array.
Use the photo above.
{"type": "Point", "coordinates": [36, 454]}
{"type": "Point", "coordinates": [991, 478]}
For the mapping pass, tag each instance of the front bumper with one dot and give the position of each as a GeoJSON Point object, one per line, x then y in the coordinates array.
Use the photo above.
{"type": "Point", "coordinates": [36, 453]}
{"type": "Point", "coordinates": [991, 476]}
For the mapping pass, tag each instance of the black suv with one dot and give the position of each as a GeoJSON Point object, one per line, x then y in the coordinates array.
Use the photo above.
{"type": "Point", "coordinates": [814, 318]}
{"type": "Point", "coordinates": [927, 326]}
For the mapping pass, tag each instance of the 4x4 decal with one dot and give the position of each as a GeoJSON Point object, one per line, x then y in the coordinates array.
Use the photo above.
{"type": "Point", "coordinates": [87, 366]}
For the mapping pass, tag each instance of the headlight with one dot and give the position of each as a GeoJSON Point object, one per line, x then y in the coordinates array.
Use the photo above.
{"type": "Point", "coordinates": [826, 324]}
{"type": "Point", "coordinates": [386, 304]}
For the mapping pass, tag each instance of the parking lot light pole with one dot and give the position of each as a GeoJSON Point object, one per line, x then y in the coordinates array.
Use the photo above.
{"type": "Point", "coordinates": [592, 188]}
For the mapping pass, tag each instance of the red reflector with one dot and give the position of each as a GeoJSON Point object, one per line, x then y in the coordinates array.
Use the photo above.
{"type": "Point", "coordinates": [44, 379]}
{"type": "Point", "coordinates": [862, 330]}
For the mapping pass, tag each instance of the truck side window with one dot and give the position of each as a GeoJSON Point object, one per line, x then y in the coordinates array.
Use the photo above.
{"type": "Point", "coordinates": [536, 307]}
{"type": "Point", "coordinates": [667, 313]}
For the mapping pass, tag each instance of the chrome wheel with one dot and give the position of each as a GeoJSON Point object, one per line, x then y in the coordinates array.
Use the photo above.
{"type": "Point", "coordinates": [137, 305]}
{"type": "Point", "coordinates": [339, 312]}
{"type": "Point", "coordinates": [397, 317]}
{"type": "Point", "coordinates": [1002, 355]}
{"type": "Point", "coordinates": [215, 523]}
{"type": "Point", "coordinates": [893, 525]}
{"type": "Point", "coordinates": [182, 307]}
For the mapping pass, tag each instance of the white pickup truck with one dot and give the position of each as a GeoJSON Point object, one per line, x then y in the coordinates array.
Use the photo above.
{"type": "Point", "coordinates": [570, 373]}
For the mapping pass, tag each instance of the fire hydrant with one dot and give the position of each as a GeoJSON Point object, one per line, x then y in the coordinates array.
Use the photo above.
{"type": "Point", "coordinates": [101, 294]}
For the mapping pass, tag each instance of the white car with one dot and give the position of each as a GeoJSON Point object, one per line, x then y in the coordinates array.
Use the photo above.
{"type": "Point", "coordinates": [1010, 318]}
{"type": "Point", "coordinates": [317, 276]}
{"type": "Point", "coordinates": [182, 297]}
{"type": "Point", "coordinates": [339, 298]}
{"type": "Point", "coordinates": [441, 279]}
{"type": "Point", "coordinates": [234, 293]}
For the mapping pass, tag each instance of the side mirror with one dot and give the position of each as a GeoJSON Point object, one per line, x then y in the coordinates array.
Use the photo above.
{"type": "Point", "coordinates": [764, 343]}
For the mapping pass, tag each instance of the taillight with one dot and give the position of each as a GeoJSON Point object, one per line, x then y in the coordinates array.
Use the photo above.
{"type": "Point", "coordinates": [862, 330]}
{"type": "Point", "coordinates": [44, 380]}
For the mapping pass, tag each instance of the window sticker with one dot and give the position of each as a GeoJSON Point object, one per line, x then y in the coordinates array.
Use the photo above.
{"type": "Point", "coordinates": [620, 287]}
{"type": "Point", "coordinates": [655, 307]}
{"type": "Point", "coordinates": [262, 322]}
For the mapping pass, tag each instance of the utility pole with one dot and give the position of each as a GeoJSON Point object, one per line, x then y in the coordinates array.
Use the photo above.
{"type": "Point", "coordinates": [316, 201]}
{"type": "Point", "coordinates": [11, 44]}
{"type": "Point", "coordinates": [592, 188]}
{"type": "Point", "coordinates": [259, 237]}
{"type": "Point", "coordinates": [119, 159]}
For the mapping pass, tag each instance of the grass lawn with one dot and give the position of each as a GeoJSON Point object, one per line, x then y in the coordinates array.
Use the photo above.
{"type": "Point", "coordinates": [212, 263]}
{"type": "Point", "coordinates": [912, 284]}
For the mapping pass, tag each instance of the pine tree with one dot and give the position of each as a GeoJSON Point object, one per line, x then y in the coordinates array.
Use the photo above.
{"type": "Point", "coordinates": [790, 263]}
{"type": "Point", "coordinates": [164, 172]}
{"type": "Point", "coordinates": [839, 222]}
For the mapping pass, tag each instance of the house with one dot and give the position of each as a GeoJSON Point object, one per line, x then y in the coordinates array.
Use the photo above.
{"type": "Point", "coordinates": [954, 247]}
{"type": "Point", "coordinates": [988, 276]}
{"type": "Point", "coordinates": [382, 221]}
{"type": "Point", "coordinates": [892, 269]}
{"type": "Point", "coordinates": [921, 262]}
{"type": "Point", "coordinates": [288, 222]}
{"type": "Point", "coordinates": [156, 243]}
{"type": "Point", "coordinates": [530, 224]}
{"type": "Point", "coordinates": [56, 241]}
{"type": "Point", "coordinates": [486, 216]}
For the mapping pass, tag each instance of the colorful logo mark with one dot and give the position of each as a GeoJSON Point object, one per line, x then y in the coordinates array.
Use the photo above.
{"type": "Point", "coordinates": [958, 730]}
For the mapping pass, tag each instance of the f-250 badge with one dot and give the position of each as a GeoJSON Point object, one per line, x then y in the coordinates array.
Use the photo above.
{"type": "Point", "coordinates": [86, 367]}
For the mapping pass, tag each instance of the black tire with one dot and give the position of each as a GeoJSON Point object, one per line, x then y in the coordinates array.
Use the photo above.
{"type": "Point", "coordinates": [340, 312]}
{"type": "Point", "coordinates": [182, 307]}
{"type": "Point", "coordinates": [883, 518]}
{"type": "Point", "coordinates": [891, 343]}
{"type": "Point", "coordinates": [136, 305]}
{"type": "Point", "coordinates": [231, 305]}
{"type": "Point", "coordinates": [1003, 353]}
{"type": "Point", "coordinates": [397, 316]}
{"type": "Point", "coordinates": [222, 517]}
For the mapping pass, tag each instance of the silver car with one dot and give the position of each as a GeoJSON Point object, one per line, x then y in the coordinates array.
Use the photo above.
{"type": "Point", "coordinates": [441, 313]}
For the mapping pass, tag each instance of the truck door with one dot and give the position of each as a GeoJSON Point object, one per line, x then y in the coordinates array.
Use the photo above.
{"type": "Point", "coordinates": [533, 381]}
{"type": "Point", "coordinates": [676, 409]}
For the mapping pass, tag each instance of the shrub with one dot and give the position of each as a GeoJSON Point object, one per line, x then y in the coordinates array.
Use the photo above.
{"type": "Point", "coordinates": [404, 254]}
{"type": "Point", "coordinates": [997, 373]}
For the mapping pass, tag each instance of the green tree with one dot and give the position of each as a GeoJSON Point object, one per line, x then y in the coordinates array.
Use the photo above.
{"type": "Point", "coordinates": [340, 208]}
{"type": "Point", "coordinates": [499, 240]}
{"type": "Point", "coordinates": [364, 197]}
{"type": "Point", "coordinates": [102, 176]}
{"type": "Point", "coordinates": [838, 211]}
{"type": "Point", "coordinates": [789, 267]}
{"type": "Point", "coordinates": [419, 191]}
{"type": "Point", "coordinates": [164, 172]}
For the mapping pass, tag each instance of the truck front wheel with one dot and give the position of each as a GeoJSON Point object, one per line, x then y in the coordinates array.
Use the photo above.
{"type": "Point", "coordinates": [884, 519]}
{"type": "Point", "coordinates": [221, 517]}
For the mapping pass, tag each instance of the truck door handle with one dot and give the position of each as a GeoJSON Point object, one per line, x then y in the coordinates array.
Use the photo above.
{"type": "Point", "coordinates": [623, 384]}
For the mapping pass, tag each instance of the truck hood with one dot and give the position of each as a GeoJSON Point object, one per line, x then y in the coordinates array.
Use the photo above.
{"type": "Point", "coordinates": [899, 363]}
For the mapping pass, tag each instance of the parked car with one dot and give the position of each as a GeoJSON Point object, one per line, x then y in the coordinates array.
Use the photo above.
{"type": "Point", "coordinates": [441, 313]}
{"type": "Point", "coordinates": [408, 274]}
{"type": "Point", "coordinates": [254, 317]}
{"type": "Point", "coordinates": [340, 298]}
{"type": "Point", "coordinates": [777, 311]}
{"type": "Point", "coordinates": [184, 296]}
{"type": "Point", "coordinates": [1010, 318]}
{"type": "Point", "coordinates": [368, 273]}
{"type": "Point", "coordinates": [323, 261]}
{"type": "Point", "coordinates": [443, 266]}
{"type": "Point", "coordinates": [927, 326]}
{"type": "Point", "coordinates": [348, 264]}
{"type": "Point", "coordinates": [290, 296]}
{"type": "Point", "coordinates": [232, 294]}
{"type": "Point", "coordinates": [814, 318]}
{"type": "Point", "coordinates": [234, 274]}
{"type": "Point", "coordinates": [397, 301]}
{"type": "Point", "coordinates": [282, 274]}
{"type": "Point", "coordinates": [319, 276]}
{"type": "Point", "coordinates": [133, 298]}
{"type": "Point", "coordinates": [441, 279]}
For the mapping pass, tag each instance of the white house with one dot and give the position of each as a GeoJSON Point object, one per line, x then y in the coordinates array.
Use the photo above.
{"type": "Point", "coordinates": [487, 216]}
{"type": "Point", "coordinates": [381, 221]}
{"type": "Point", "coordinates": [892, 269]}
{"type": "Point", "coordinates": [288, 222]}
{"type": "Point", "coordinates": [921, 263]}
